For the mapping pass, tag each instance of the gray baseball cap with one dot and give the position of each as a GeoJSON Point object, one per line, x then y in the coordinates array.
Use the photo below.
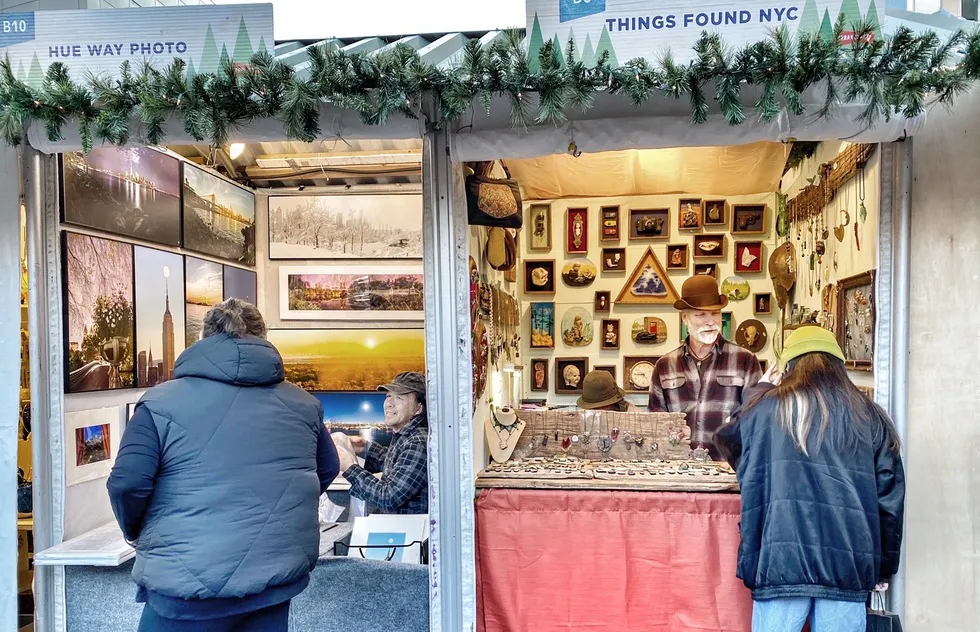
{"type": "Point", "coordinates": [404, 383]}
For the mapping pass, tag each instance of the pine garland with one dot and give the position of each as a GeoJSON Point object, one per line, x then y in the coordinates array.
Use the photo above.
{"type": "Point", "coordinates": [896, 76]}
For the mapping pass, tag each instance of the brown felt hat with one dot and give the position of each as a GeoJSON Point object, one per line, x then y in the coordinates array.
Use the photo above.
{"type": "Point", "coordinates": [700, 292]}
{"type": "Point", "coordinates": [598, 390]}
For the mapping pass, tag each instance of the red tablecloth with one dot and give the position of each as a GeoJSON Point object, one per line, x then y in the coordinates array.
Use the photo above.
{"type": "Point", "coordinates": [593, 561]}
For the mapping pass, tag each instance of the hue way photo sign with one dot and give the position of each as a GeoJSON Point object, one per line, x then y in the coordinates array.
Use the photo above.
{"type": "Point", "coordinates": [98, 41]}
{"type": "Point", "coordinates": [627, 29]}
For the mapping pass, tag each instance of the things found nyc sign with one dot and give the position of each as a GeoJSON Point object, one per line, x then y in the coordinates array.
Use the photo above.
{"type": "Point", "coordinates": [626, 29]}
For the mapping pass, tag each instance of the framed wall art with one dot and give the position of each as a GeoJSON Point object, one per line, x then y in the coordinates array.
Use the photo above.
{"type": "Point", "coordinates": [133, 192]}
{"type": "Point", "coordinates": [649, 284]}
{"type": "Point", "coordinates": [715, 214]}
{"type": "Point", "coordinates": [578, 272]}
{"type": "Point", "coordinates": [608, 368]}
{"type": "Point", "coordinates": [690, 215]}
{"type": "Point", "coordinates": [204, 287]}
{"type": "Point", "coordinates": [614, 259]}
{"type": "Point", "coordinates": [736, 288]}
{"type": "Point", "coordinates": [576, 327]}
{"type": "Point", "coordinates": [569, 373]}
{"type": "Point", "coordinates": [539, 276]}
{"type": "Point", "coordinates": [609, 333]}
{"type": "Point", "coordinates": [602, 302]}
{"type": "Point", "coordinates": [99, 300]}
{"type": "Point", "coordinates": [856, 319]}
{"type": "Point", "coordinates": [752, 335]}
{"type": "Point", "coordinates": [351, 292]}
{"type": "Point", "coordinates": [542, 325]}
{"type": "Point", "coordinates": [241, 284]}
{"type": "Point", "coordinates": [764, 364]}
{"type": "Point", "coordinates": [709, 246]}
{"type": "Point", "coordinates": [649, 224]}
{"type": "Point", "coordinates": [649, 330]}
{"type": "Point", "coordinates": [91, 443]}
{"type": "Point", "coordinates": [218, 216]}
{"type": "Point", "coordinates": [538, 227]}
{"type": "Point", "coordinates": [159, 314]}
{"type": "Point", "coordinates": [708, 269]}
{"type": "Point", "coordinates": [577, 230]}
{"type": "Point", "coordinates": [762, 303]}
{"type": "Point", "coordinates": [359, 226]}
{"type": "Point", "coordinates": [638, 373]}
{"type": "Point", "coordinates": [678, 257]}
{"type": "Point", "coordinates": [609, 229]}
{"type": "Point", "coordinates": [749, 219]}
{"type": "Point", "coordinates": [348, 359]}
{"type": "Point", "coordinates": [539, 375]}
{"type": "Point", "coordinates": [748, 256]}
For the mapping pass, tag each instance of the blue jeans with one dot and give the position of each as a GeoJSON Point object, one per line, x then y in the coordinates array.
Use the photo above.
{"type": "Point", "coordinates": [272, 619]}
{"type": "Point", "coordinates": [789, 615]}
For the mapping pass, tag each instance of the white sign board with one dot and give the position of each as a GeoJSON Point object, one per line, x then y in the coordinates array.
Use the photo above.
{"type": "Point", "coordinates": [627, 29]}
{"type": "Point", "coordinates": [98, 41]}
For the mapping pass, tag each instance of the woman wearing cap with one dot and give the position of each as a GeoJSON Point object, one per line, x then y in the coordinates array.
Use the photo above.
{"type": "Point", "coordinates": [600, 392]}
{"type": "Point", "coordinates": [823, 492]}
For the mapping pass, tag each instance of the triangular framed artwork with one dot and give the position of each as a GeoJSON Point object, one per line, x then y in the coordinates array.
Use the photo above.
{"type": "Point", "coordinates": [648, 285]}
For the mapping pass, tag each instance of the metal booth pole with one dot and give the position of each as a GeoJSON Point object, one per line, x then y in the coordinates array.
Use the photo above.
{"type": "Point", "coordinates": [449, 372]}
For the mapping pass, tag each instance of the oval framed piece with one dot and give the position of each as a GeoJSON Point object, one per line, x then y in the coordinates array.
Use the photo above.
{"type": "Point", "coordinates": [576, 327]}
{"type": "Point", "coordinates": [752, 335]}
{"type": "Point", "coordinates": [578, 272]}
{"type": "Point", "coordinates": [736, 288]}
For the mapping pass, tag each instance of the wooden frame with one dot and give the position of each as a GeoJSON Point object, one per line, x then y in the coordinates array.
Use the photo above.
{"type": "Point", "coordinates": [710, 269]}
{"type": "Point", "coordinates": [866, 282]}
{"type": "Point", "coordinates": [683, 253]}
{"type": "Point", "coordinates": [661, 216]}
{"type": "Point", "coordinates": [690, 214]}
{"type": "Point", "coordinates": [756, 227]}
{"type": "Point", "coordinates": [762, 303]}
{"type": "Point", "coordinates": [608, 368]}
{"type": "Point", "coordinates": [629, 295]}
{"type": "Point", "coordinates": [609, 223]}
{"type": "Point", "coordinates": [629, 362]}
{"type": "Point", "coordinates": [582, 363]}
{"type": "Point", "coordinates": [719, 224]}
{"type": "Point", "coordinates": [577, 231]}
{"type": "Point", "coordinates": [717, 253]}
{"type": "Point", "coordinates": [598, 306]}
{"type": "Point", "coordinates": [614, 259]}
{"type": "Point", "coordinates": [538, 225]}
{"type": "Point", "coordinates": [545, 335]}
{"type": "Point", "coordinates": [605, 332]}
{"type": "Point", "coordinates": [642, 331]}
{"type": "Point", "coordinates": [539, 371]}
{"type": "Point", "coordinates": [530, 265]}
{"type": "Point", "coordinates": [755, 248]}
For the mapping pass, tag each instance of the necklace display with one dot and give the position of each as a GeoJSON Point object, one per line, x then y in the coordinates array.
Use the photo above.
{"type": "Point", "coordinates": [506, 429]}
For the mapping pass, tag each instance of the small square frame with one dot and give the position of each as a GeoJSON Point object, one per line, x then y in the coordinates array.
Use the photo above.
{"type": "Point", "coordinates": [758, 226]}
{"type": "Point", "coordinates": [608, 368]}
{"type": "Point", "coordinates": [629, 362]}
{"type": "Point", "coordinates": [753, 246]}
{"type": "Point", "coordinates": [531, 264]}
{"type": "Point", "coordinates": [613, 215]}
{"type": "Point", "coordinates": [546, 384]}
{"type": "Point", "coordinates": [597, 306]}
{"type": "Point", "coordinates": [685, 256]}
{"type": "Point", "coordinates": [710, 269]}
{"type": "Point", "coordinates": [560, 363]}
{"type": "Point", "coordinates": [603, 343]}
{"type": "Point", "coordinates": [719, 253]}
{"type": "Point", "coordinates": [690, 215]}
{"type": "Point", "coordinates": [766, 305]}
{"type": "Point", "coordinates": [721, 224]}
{"type": "Point", "coordinates": [608, 254]}
{"type": "Point", "coordinates": [640, 215]}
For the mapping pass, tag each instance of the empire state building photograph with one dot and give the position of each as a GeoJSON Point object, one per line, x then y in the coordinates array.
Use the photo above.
{"type": "Point", "coordinates": [159, 315]}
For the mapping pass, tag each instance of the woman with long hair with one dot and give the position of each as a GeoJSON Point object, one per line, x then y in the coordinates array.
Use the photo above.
{"type": "Point", "coordinates": [823, 492]}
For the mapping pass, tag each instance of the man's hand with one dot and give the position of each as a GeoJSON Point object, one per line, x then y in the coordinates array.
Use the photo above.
{"type": "Point", "coordinates": [358, 443]}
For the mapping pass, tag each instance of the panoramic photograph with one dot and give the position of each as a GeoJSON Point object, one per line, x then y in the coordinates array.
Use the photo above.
{"type": "Point", "coordinates": [130, 192]}
{"type": "Point", "coordinates": [159, 314]}
{"type": "Point", "coordinates": [204, 288]}
{"type": "Point", "coordinates": [219, 217]}
{"type": "Point", "coordinates": [346, 292]}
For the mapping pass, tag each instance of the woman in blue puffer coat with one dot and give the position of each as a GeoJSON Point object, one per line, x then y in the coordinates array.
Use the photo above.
{"type": "Point", "coordinates": [823, 492]}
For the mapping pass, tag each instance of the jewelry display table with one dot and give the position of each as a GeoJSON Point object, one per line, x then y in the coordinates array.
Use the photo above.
{"type": "Point", "coordinates": [558, 560]}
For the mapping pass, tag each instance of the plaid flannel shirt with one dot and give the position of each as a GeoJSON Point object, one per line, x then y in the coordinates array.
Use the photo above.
{"type": "Point", "coordinates": [404, 484]}
{"type": "Point", "coordinates": [709, 396]}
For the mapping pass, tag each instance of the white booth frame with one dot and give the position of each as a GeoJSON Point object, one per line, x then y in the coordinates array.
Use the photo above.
{"type": "Point", "coordinates": [447, 331]}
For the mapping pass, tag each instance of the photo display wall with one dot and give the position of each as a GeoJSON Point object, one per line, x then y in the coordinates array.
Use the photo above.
{"type": "Point", "coordinates": [131, 309]}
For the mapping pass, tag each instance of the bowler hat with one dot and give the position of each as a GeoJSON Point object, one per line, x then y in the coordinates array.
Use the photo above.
{"type": "Point", "coordinates": [700, 292]}
{"type": "Point", "coordinates": [598, 390]}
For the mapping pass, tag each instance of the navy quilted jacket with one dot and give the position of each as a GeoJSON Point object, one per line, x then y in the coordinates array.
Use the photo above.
{"type": "Point", "coordinates": [828, 526]}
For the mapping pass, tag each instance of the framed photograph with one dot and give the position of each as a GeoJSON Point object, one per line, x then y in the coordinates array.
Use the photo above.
{"type": "Point", "coordinates": [678, 257]}
{"type": "Point", "coordinates": [348, 359]}
{"type": "Point", "coordinates": [690, 215]}
{"type": "Point", "coordinates": [159, 314]}
{"type": "Point", "coordinates": [749, 219]}
{"type": "Point", "coordinates": [538, 227]}
{"type": "Point", "coordinates": [218, 216]}
{"type": "Point", "coordinates": [569, 373]}
{"type": "Point", "coordinates": [602, 303]}
{"type": "Point", "coordinates": [204, 287]}
{"type": "Point", "coordinates": [133, 192]}
{"type": "Point", "coordinates": [764, 364]}
{"type": "Point", "coordinates": [542, 325]}
{"type": "Point", "coordinates": [762, 303]}
{"type": "Point", "coordinates": [539, 375]}
{"type": "Point", "coordinates": [649, 284]}
{"type": "Point", "coordinates": [539, 276]}
{"type": "Point", "coordinates": [614, 259]}
{"type": "Point", "coordinates": [578, 272]}
{"type": "Point", "coordinates": [649, 224]}
{"type": "Point", "coordinates": [709, 246]}
{"type": "Point", "coordinates": [638, 373]}
{"type": "Point", "coordinates": [359, 226]}
{"type": "Point", "coordinates": [609, 230]}
{"type": "Point", "coordinates": [608, 368]}
{"type": "Point", "coordinates": [99, 324]}
{"type": "Point", "coordinates": [748, 256]}
{"type": "Point", "coordinates": [577, 230]}
{"type": "Point", "coordinates": [91, 443]}
{"type": "Point", "coordinates": [609, 333]}
{"type": "Point", "coordinates": [727, 322]}
{"type": "Point", "coordinates": [649, 330]}
{"type": "Point", "coordinates": [241, 284]}
{"type": "Point", "coordinates": [710, 269]}
{"type": "Point", "coordinates": [715, 214]}
{"type": "Point", "coordinates": [350, 292]}
{"type": "Point", "coordinates": [856, 320]}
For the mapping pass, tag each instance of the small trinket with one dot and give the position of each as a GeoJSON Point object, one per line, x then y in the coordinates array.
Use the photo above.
{"type": "Point", "coordinates": [614, 434]}
{"type": "Point", "coordinates": [574, 438]}
{"type": "Point", "coordinates": [604, 444]}
{"type": "Point", "coordinates": [566, 443]}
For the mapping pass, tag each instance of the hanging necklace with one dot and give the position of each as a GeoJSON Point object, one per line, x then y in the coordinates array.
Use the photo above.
{"type": "Point", "coordinates": [504, 432]}
{"type": "Point", "coordinates": [604, 443]}
{"type": "Point", "coordinates": [862, 209]}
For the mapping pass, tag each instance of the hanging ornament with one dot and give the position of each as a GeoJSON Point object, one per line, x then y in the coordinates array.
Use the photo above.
{"type": "Point", "coordinates": [839, 229]}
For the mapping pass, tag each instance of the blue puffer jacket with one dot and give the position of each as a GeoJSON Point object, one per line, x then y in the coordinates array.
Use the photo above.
{"type": "Point", "coordinates": [234, 506]}
{"type": "Point", "coordinates": [828, 526]}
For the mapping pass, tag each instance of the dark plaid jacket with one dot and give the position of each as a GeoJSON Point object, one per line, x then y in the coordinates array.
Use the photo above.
{"type": "Point", "coordinates": [677, 386]}
{"type": "Point", "coordinates": [403, 487]}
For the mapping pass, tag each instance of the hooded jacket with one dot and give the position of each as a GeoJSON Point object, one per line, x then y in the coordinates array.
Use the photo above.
{"type": "Point", "coordinates": [234, 504]}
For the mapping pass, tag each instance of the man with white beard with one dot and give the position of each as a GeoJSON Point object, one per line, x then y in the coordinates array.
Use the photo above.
{"type": "Point", "coordinates": [706, 376]}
